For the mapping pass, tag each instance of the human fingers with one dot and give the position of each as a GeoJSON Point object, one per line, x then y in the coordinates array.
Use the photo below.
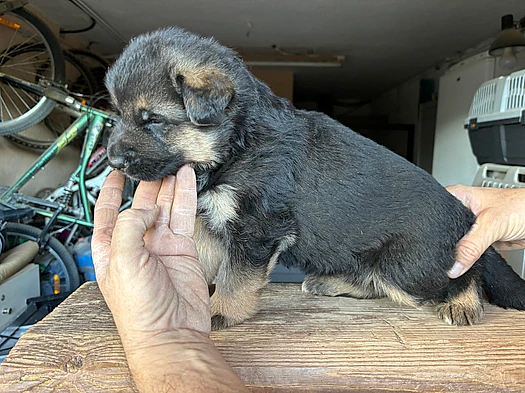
{"type": "Point", "coordinates": [470, 248]}
{"type": "Point", "coordinates": [468, 196]}
{"type": "Point", "coordinates": [146, 194]}
{"type": "Point", "coordinates": [185, 202]}
{"type": "Point", "coordinates": [165, 199]}
{"type": "Point", "coordinates": [105, 217]}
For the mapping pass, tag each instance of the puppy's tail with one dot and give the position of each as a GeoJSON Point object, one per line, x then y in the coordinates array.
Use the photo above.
{"type": "Point", "coordinates": [503, 287]}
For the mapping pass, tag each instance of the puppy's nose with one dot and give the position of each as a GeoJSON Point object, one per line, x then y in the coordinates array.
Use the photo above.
{"type": "Point", "coordinates": [122, 161]}
{"type": "Point", "coordinates": [118, 162]}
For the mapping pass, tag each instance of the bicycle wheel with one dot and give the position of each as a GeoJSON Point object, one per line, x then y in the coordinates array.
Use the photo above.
{"type": "Point", "coordinates": [20, 109]}
{"type": "Point", "coordinates": [96, 64]}
{"type": "Point", "coordinates": [54, 260]}
{"type": "Point", "coordinates": [78, 79]}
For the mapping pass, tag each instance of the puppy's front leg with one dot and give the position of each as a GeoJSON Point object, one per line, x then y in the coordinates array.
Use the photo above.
{"type": "Point", "coordinates": [238, 287]}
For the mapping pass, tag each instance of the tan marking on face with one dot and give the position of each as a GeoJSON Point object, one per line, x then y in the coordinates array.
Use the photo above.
{"type": "Point", "coordinates": [220, 205]}
{"type": "Point", "coordinates": [142, 103]}
{"type": "Point", "coordinates": [212, 251]}
{"type": "Point", "coordinates": [464, 309]}
{"type": "Point", "coordinates": [195, 145]}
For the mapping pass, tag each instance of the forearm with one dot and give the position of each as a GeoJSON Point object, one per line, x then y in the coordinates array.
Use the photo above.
{"type": "Point", "coordinates": [181, 361]}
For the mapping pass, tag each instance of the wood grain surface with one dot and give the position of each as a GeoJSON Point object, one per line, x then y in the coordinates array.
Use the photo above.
{"type": "Point", "coordinates": [297, 343]}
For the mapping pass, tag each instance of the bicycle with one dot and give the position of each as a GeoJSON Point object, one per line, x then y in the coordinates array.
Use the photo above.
{"type": "Point", "coordinates": [67, 210]}
{"type": "Point", "coordinates": [20, 109]}
{"type": "Point", "coordinates": [78, 79]}
{"type": "Point", "coordinates": [92, 122]}
{"type": "Point", "coordinates": [58, 272]}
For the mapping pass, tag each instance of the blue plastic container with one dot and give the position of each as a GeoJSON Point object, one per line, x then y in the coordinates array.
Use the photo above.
{"type": "Point", "coordinates": [84, 258]}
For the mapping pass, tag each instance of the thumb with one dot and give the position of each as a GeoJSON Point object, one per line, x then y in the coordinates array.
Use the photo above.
{"type": "Point", "coordinates": [131, 226]}
{"type": "Point", "coordinates": [470, 248]}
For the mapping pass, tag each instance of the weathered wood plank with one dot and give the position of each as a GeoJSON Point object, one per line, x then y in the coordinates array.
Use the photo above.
{"type": "Point", "coordinates": [297, 342]}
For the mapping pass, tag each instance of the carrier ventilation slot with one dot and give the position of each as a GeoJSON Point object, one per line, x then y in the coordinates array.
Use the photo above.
{"type": "Point", "coordinates": [484, 100]}
{"type": "Point", "coordinates": [515, 92]}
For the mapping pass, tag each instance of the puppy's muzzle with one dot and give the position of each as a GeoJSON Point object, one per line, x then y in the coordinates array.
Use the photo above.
{"type": "Point", "coordinates": [122, 160]}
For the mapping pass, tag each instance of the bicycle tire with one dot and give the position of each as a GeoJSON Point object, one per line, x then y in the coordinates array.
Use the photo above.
{"type": "Point", "coordinates": [91, 83]}
{"type": "Point", "coordinates": [97, 65]}
{"type": "Point", "coordinates": [44, 105]}
{"type": "Point", "coordinates": [82, 52]}
{"type": "Point", "coordinates": [89, 89]}
{"type": "Point", "coordinates": [54, 247]}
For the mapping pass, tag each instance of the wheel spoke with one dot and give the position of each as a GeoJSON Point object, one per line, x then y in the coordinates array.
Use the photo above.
{"type": "Point", "coordinates": [23, 43]}
{"type": "Point", "coordinates": [30, 52]}
{"type": "Point", "coordinates": [29, 96]}
{"type": "Point", "coordinates": [4, 54]}
{"type": "Point", "coordinates": [20, 98]}
{"type": "Point", "coordinates": [26, 62]}
{"type": "Point", "coordinates": [12, 102]}
{"type": "Point", "coordinates": [32, 74]}
{"type": "Point", "coordinates": [4, 103]}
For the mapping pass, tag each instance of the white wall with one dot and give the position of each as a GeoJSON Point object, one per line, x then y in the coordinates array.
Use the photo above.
{"type": "Point", "coordinates": [454, 161]}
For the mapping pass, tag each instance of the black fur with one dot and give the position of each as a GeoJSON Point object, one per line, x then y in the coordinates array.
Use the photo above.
{"type": "Point", "coordinates": [354, 207]}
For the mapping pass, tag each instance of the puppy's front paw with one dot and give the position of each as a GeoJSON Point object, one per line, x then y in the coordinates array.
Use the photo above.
{"type": "Point", "coordinates": [219, 322]}
{"type": "Point", "coordinates": [228, 311]}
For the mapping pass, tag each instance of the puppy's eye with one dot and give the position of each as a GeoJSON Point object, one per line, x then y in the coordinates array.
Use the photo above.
{"type": "Point", "coordinates": [155, 121]}
{"type": "Point", "coordinates": [149, 118]}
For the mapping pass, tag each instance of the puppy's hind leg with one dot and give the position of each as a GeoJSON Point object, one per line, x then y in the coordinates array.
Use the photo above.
{"type": "Point", "coordinates": [463, 304]}
{"type": "Point", "coordinates": [338, 285]}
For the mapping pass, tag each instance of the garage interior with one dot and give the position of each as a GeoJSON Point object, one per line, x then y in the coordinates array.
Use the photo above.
{"type": "Point", "coordinates": [403, 73]}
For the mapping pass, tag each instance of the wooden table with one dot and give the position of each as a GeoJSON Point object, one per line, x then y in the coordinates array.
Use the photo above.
{"type": "Point", "coordinates": [297, 342]}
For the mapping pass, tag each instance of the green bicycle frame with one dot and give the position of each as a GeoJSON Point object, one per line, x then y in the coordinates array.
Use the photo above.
{"type": "Point", "coordinates": [93, 121]}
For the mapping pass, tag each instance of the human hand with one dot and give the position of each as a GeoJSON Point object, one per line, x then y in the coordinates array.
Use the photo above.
{"type": "Point", "coordinates": [500, 221]}
{"type": "Point", "coordinates": [146, 261]}
{"type": "Point", "coordinates": [148, 271]}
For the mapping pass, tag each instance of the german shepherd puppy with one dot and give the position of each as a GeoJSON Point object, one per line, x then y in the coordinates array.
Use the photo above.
{"type": "Point", "coordinates": [280, 184]}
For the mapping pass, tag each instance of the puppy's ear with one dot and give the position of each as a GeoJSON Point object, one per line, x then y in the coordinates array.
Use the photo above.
{"type": "Point", "coordinates": [206, 95]}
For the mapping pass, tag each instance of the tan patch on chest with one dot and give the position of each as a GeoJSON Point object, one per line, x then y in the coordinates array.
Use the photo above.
{"type": "Point", "coordinates": [212, 251]}
{"type": "Point", "coordinates": [219, 206]}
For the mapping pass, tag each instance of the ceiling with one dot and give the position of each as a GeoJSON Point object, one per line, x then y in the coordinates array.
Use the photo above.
{"type": "Point", "coordinates": [385, 41]}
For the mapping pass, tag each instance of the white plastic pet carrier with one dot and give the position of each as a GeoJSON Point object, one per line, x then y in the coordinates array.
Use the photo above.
{"type": "Point", "coordinates": [496, 126]}
{"type": "Point", "coordinates": [496, 120]}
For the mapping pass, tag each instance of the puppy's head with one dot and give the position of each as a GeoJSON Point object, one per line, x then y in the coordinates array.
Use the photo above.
{"type": "Point", "coordinates": [175, 93]}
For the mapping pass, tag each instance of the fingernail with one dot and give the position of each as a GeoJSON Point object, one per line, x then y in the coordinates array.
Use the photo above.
{"type": "Point", "coordinates": [456, 270]}
{"type": "Point", "coordinates": [151, 207]}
